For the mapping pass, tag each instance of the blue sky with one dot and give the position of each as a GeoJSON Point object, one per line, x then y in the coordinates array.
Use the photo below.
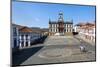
{"type": "Point", "coordinates": [38, 14]}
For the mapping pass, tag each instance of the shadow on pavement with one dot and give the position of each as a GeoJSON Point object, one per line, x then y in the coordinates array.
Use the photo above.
{"type": "Point", "coordinates": [22, 55]}
{"type": "Point", "coordinates": [39, 40]}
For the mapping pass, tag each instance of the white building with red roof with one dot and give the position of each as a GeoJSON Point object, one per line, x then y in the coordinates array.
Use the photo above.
{"type": "Point", "coordinates": [86, 31]}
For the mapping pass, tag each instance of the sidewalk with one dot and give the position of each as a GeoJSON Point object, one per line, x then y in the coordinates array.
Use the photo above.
{"type": "Point", "coordinates": [86, 40]}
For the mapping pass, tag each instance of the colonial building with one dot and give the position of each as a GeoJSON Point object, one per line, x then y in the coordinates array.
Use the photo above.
{"type": "Point", "coordinates": [86, 31]}
{"type": "Point", "coordinates": [14, 37]}
{"type": "Point", "coordinates": [23, 36]}
{"type": "Point", "coordinates": [60, 27]}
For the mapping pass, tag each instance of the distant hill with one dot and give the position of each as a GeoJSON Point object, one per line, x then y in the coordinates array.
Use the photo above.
{"type": "Point", "coordinates": [36, 29]}
{"type": "Point", "coordinates": [40, 29]}
{"type": "Point", "coordinates": [45, 29]}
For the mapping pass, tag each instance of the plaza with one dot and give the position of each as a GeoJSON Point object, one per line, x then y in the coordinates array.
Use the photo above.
{"type": "Point", "coordinates": [56, 49]}
{"type": "Point", "coordinates": [49, 35]}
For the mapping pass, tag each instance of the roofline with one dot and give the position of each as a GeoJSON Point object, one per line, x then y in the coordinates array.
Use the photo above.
{"type": "Point", "coordinates": [54, 22]}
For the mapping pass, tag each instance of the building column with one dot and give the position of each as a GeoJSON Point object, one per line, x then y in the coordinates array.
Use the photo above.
{"type": "Point", "coordinates": [20, 41]}
{"type": "Point", "coordinates": [49, 29]}
{"type": "Point", "coordinates": [29, 41]}
{"type": "Point", "coordinates": [17, 37]}
{"type": "Point", "coordinates": [55, 29]}
{"type": "Point", "coordinates": [24, 40]}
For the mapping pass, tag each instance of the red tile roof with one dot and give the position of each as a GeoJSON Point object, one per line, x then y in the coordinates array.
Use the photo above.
{"type": "Point", "coordinates": [26, 29]}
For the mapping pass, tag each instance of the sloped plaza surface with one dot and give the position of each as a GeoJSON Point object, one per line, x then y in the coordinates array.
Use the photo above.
{"type": "Point", "coordinates": [58, 49]}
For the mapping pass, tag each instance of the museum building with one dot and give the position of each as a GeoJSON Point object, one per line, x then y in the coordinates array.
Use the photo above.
{"type": "Point", "coordinates": [60, 27]}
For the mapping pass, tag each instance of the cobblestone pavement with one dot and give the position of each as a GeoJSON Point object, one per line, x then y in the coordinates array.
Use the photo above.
{"type": "Point", "coordinates": [59, 49]}
{"type": "Point", "coordinates": [86, 40]}
{"type": "Point", "coordinates": [61, 40]}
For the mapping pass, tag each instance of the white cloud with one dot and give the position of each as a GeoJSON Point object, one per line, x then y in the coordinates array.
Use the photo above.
{"type": "Point", "coordinates": [37, 19]}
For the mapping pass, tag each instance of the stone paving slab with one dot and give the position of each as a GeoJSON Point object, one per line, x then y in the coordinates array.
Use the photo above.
{"type": "Point", "coordinates": [62, 46]}
{"type": "Point", "coordinates": [76, 56]}
{"type": "Point", "coordinates": [59, 40]}
{"type": "Point", "coordinates": [86, 40]}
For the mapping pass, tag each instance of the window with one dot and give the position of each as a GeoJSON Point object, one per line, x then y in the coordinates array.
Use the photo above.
{"type": "Point", "coordinates": [56, 30]}
{"type": "Point", "coordinates": [15, 43]}
{"type": "Point", "coordinates": [14, 31]}
{"type": "Point", "coordinates": [70, 30]}
{"type": "Point", "coordinates": [51, 30]}
{"type": "Point", "coordinates": [70, 25]}
{"type": "Point", "coordinates": [66, 25]}
{"type": "Point", "coordinates": [50, 25]}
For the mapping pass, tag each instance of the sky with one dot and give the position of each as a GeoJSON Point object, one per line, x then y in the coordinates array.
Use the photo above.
{"type": "Point", "coordinates": [34, 14]}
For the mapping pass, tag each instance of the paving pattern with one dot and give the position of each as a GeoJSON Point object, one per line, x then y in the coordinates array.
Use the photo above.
{"type": "Point", "coordinates": [61, 40]}
{"type": "Point", "coordinates": [59, 49]}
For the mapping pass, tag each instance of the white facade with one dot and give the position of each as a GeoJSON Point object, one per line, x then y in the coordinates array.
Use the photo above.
{"type": "Point", "coordinates": [25, 39]}
{"type": "Point", "coordinates": [21, 39]}
{"type": "Point", "coordinates": [76, 28]}
{"type": "Point", "coordinates": [87, 32]}
{"type": "Point", "coordinates": [60, 26]}
{"type": "Point", "coordinates": [54, 28]}
{"type": "Point", "coordinates": [14, 37]}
